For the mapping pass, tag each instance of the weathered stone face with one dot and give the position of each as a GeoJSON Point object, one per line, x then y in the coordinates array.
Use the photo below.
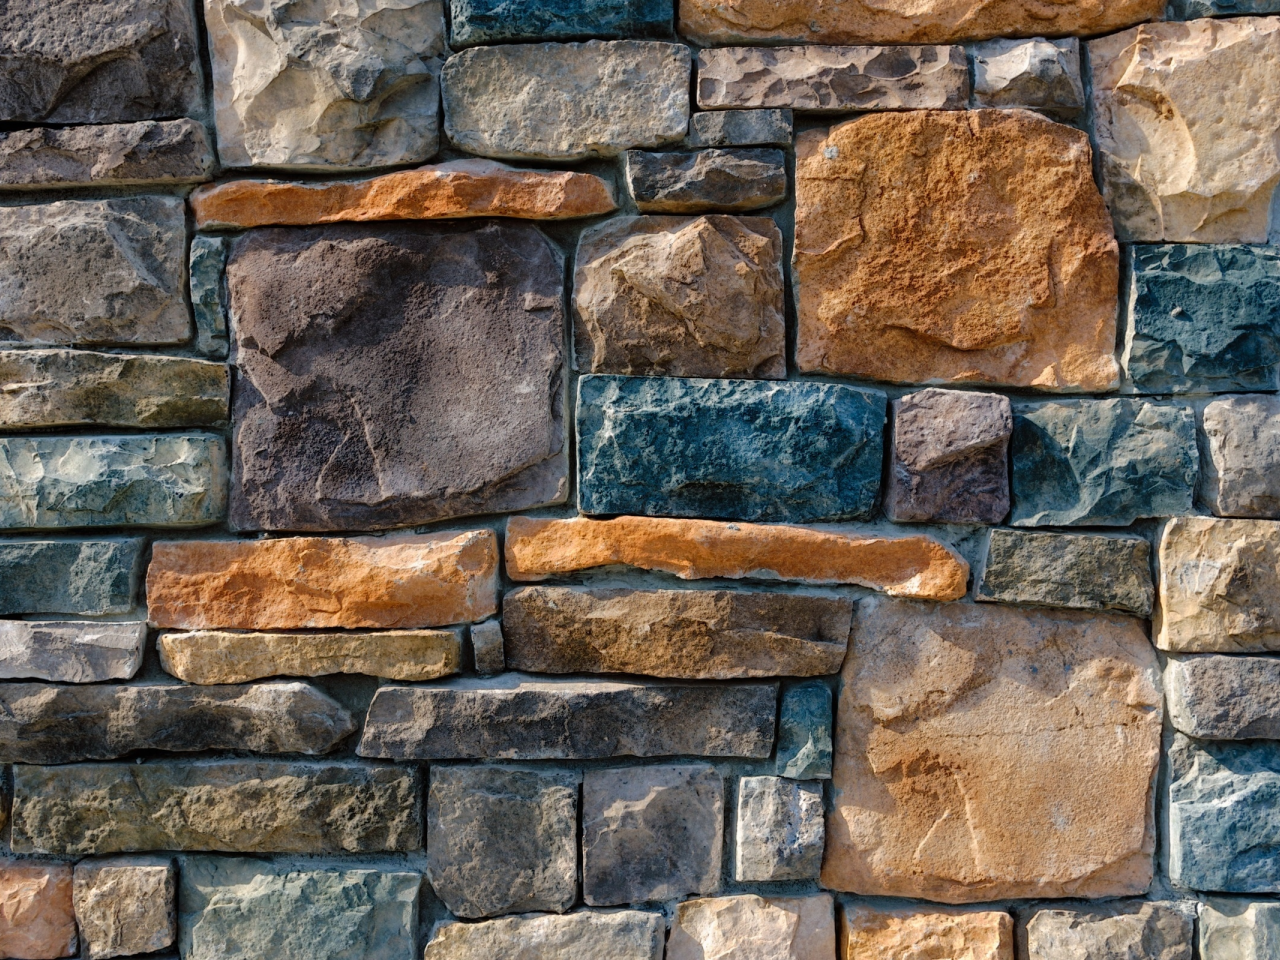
{"type": "Point", "coordinates": [1035, 74]}
{"type": "Point", "coordinates": [804, 732]}
{"type": "Point", "coordinates": [118, 154]}
{"type": "Point", "coordinates": [963, 295]}
{"type": "Point", "coordinates": [740, 128]}
{"type": "Point", "coordinates": [206, 265]}
{"type": "Point", "coordinates": [394, 375]}
{"type": "Point", "coordinates": [35, 903]}
{"type": "Point", "coordinates": [1231, 927]}
{"type": "Point", "coordinates": [84, 652]}
{"type": "Point", "coordinates": [126, 906]}
{"type": "Point", "coordinates": [753, 928]}
{"type": "Point", "coordinates": [889, 932]}
{"type": "Point", "coordinates": [488, 647]}
{"type": "Point", "coordinates": [1195, 9]}
{"type": "Point", "coordinates": [1224, 698]}
{"type": "Point", "coordinates": [87, 578]}
{"type": "Point", "coordinates": [703, 180]}
{"type": "Point", "coordinates": [616, 934]}
{"type": "Point", "coordinates": [1240, 467]}
{"type": "Point", "coordinates": [779, 831]}
{"type": "Point", "coordinates": [475, 22]}
{"type": "Point", "coordinates": [1152, 931]}
{"type": "Point", "coordinates": [976, 708]}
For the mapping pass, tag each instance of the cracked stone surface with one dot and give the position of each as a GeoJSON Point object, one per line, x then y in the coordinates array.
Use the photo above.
{"type": "Point", "coordinates": [116, 154]}
{"type": "Point", "coordinates": [70, 652]}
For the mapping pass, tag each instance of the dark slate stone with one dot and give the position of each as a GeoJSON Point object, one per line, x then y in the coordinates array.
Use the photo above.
{"type": "Point", "coordinates": [728, 449]}
{"type": "Point", "coordinates": [740, 128]}
{"type": "Point", "coordinates": [114, 154]}
{"type": "Point", "coordinates": [701, 181]}
{"type": "Point", "coordinates": [393, 375]}
{"type": "Point", "coordinates": [1203, 318]}
{"type": "Point", "coordinates": [804, 732]}
{"type": "Point", "coordinates": [1196, 9]}
{"type": "Point", "coordinates": [1224, 698]}
{"type": "Point", "coordinates": [522, 21]}
{"type": "Point", "coordinates": [80, 577]}
{"type": "Point", "coordinates": [209, 294]}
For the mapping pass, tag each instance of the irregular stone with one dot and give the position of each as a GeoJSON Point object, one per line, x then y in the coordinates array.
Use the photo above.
{"type": "Point", "coordinates": [615, 934]}
{"type": "Point", "coordinates": [219, 656]}
{"type": "Point", "coordinates": [698, 549]}
{"type": "Point", "coordinates": [1239, 930]}
{"type": "Point", "coordinates": [1195, 9]}
{"type": "Point", "coordinates": [670, 296]}
{"type": "Point", "coordinates": [132, 295]}
{"type": "Point", "coordinates": [324, 85]}
{"type": "Point", "coordinates": [566, 101]}
{"type": "Point", "coordinates": [1012, 278]}
{"type": "Point", "coordinates": [1137, 929]}
{"type": "Point", "coordinates": [232, 806]}
{"type": "Point", "coordinates": [1102, 462]}
{"type": "Point", "coordinates": [209, 294]}
{"type": "Point", "coordinates": [833, 79]}
{"type": "Point", "coordinates": [488, 647]}
{"type": "Point", "coordinates": [966, 728]}
{"type": "Point", "coordinates": [166, 480]}
{"type": "Point", "coordinates": [87, 578]}
{"type": "Point", "coordinates": [475, 22]}
{"type": "Point", "coordinates": [1202, 318]}
{"type": "Point", "coordinates": [325, 440]}
{"type": "Point", "coordinates": [1081, 571]}
{"type": "Point", "coordinates": [519, 717]}
{"type": "Point", "coordinates": [949, 457]}
{"type": "Point", "coordinates": [502, 840]}
{"type": "Point", "coordinates": [84, 652]}
{"type": "Point", "coordinates": [731, 449]}
{"type": "Point", "coordinates": [804, 732]}
{"type": "Point", "coordinates": [1185, 156]}
{"type": "Point", "coordinates": [1240, 465]}
{"type": "Point", "coordinates": [35, 905]}
{"type": "Point", "coordinates": [110, 61]}
{"type": "Point", "coordinates": [702, 180]}
{"type": "Point", "coordinates": [740, 128]}
{"type": "Point", "coordinates": [236, 909]}
{"type": "Point", "coordinates": [120, 154]}
{"type": "Point", "coordinates": [297, 583]}
{"type": "Point", "coordinates": [651, 833]}
{"type": "Point", "coordinates": [898, 932]}
{"type": "Point", "coordinates": [681, 634]}
{"type": "Point", "coordinates": [779, 831]}
{"type": "Point", "coordinates": [749, 927]}
{"type": "Point", "coordinates": [1034, 74]}
{"type": "Point", "coordinates": [1224, 698]}
{"type": "Point", "coordinates": [126, 906]}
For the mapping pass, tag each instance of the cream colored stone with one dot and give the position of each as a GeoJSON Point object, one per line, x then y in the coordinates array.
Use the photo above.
{"type": "Point", "coordinates": [754, 928]}
{"type": "Point", "coordinates": [126, 906]}
{"type": "Point", "coordinates": [877, 933]}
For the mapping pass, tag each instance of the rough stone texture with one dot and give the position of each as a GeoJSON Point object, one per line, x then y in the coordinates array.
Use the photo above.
{"type": "Point", "coordinates": [108, 61]}
{"type": "Point", "coordinates": [741, 128]}
{"type": "Point", "coordinates": [949, 457]}
{"type": "Point", "coordinates": [324, 84]}
{"type": "Point", "coordinates": [454, 407]}
{"type": "Point", "coordinates": [94, 271]}
{"type": "Point", "coordinates": [680, 634]}
{"type": "Point", "coordinates": [518, 717]}
{"type": "Point", "coordinates": [615, 935]}
{"type": "Point", "coordinates": [166, 480]}
{"type": "Point", "coordinates": [730, 449]}
{"type": "Point", "coordinates": [399, 581]}
{"type": "Point", "coordinates": [232, 806]}
{"type": "Point", "coordinates": [488, 647]}
{"type": "Point", "coordinates": [124, 154]}
{"type": "Point", "coordinates": [43, 723]}
{"type": "Point", "coordinates": [696, 549]}
{"type": "Point", "coordinates": [834, 79]}
{"type": "Point", "coordinates": [1202, 318]}
{"type": "Point", "coordinates": [1224, 698]}
{"type": "Point", "coordinates": [1195, 9]}
{"type": "Point", "coordinates": [964, 729]}
{"type": "Point", "coordinates": [1239, 930]}
{"type": "Point", "coordinates": [754, 928]}
{"type": "Point", "coordinates": [1240, 462]}
{"type": "Point", "coordinates": [84, 652]}
{"type": "Point", "coordinates": [475, 22]}
{"type": "Point", "coordinates": [779, 830]}
{"type": "Point", "coordinates": [651, 833]}
{"type": "Point", "coordinates": [208, 260]}
{"type": "Point", "coordinates": [247, 910]}
{"type": "Point", "coordinates": [1133, 930]}
{"type": "Point", "coordinates": [1082, 571]}
{"type": "Point", "coordinates": [702, 180]}
{"type": "Point", "coordinates": [126, 906]}
{"type": "Point", "coordinates": [1188, 155]}
{"type": "Point", "coordinates": [873, 931]}
{"type": "Point", "coordinates": [804, 732]}
{"type": "Point", "coordinates": [502, 840]}
{"type": "Point", "coordinates": [1102, 462]}
{"type": "Point", "coordinates": [671, 296]}
{"type": "Point", "coordinates": [37, 919]}
{"type": "Point", "coordinates": [1219, 586]}
{"type": "Point", "coordinates": [218, 656]}
{"type": "Point", "coordinates": [1012, 278]}
{"type": "Point", "coordinates": [87, 578]}
{"type": "Point", "coordinates": [1035, 74]}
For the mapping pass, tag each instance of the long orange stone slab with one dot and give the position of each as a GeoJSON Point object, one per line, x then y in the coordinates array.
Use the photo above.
{"type": "Point", "coordinates": [308, 582]}
{"type": "Point", "coordinates": [915, 566]}
{"type": "Point", "coordinates": [461, 188]}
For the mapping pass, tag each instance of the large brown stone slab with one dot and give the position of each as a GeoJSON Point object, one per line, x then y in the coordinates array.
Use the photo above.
{"type": "Point", "coordinates": [963, 730]}
{"type": "Point", "coordinates": [1011, 278]}
{"type": "Point", "coordinates": [892, 932]}
{"type": "Point", "coordinates": [37, 919]}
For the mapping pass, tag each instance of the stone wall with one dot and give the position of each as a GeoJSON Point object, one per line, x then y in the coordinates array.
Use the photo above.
{"type": "Point", "coordinates": [615, 479]}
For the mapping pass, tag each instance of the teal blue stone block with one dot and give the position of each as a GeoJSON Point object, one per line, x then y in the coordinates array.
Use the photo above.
{"type": "Point", "coordinates": [728, 449]}
{"type": "Point", "coordinates": [528, 21]}
{"type": "Point", "coordinates": [804, 732]}
{"type": "Point", "coordinates": [208, 302]}
{"type": "Point", "coordinates": [87, 578]}
{"type": "Point", "coordinates": [1196, 9]}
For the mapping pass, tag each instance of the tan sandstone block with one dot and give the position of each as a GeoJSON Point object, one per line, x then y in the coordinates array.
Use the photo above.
{"type": "Point", "coordinates": [297, 583]}
{"type": "Point", "coordinates": [945, 247]}
{"type": "Point", "coordinates": [871, 933]}
{"type": "Point", "coordinates": [695, 549]}
{"type": "Point", "coordinates": [988, 752]}
{"type": "Point", "coordinates": [37, 921]}
{"type": "Point", "coordinates": [753, 928]}
{"type": "Point", "coordinates": [126, 905]}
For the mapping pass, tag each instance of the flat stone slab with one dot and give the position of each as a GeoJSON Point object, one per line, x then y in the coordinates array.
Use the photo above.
{"type": "Point", "coordinates": [1133, 928]}
{"type": "Point", "coordinates": [40, 919]}
{"type": "Point", "coordinates": [1234, 927]}
{"type": "Point", "coordinates": [616, 934]}
{"type": "Point", "coordinates": [70, 652]}
{"type": "Point", "coordinates": [749, 927]}
{"type": "Point", "coordinates": [1240, 475]}
{"type": "Point", "coordinates": [779, 831]}
{"type": "Point", "coordinates": [518, 717]}
{"type": "Point", "coordinates": [126, 905]}
{"type": "Point", "coordinates": [741, 128]}
{"type": "Point", "coordinates": [475, 22]}
{"type": "Point", "coordinates": [330, 434]}
{"type": "Point", "coordinates": [1224, 698]}
{"type": "Point", "coordinates": [735, 449]}
{"type": "Point", "coordinates": [227, 806]}
{"type": "Point", "coordinates": [888, 931]}
{"type": "Point", "coordinates": [87, 578]}
{"type": "Point", "coordinates": [1034, 74]}
{"type": "Point", "coordinates": [804, 732]}
{"type": "Point", "coordinates": [698, 181]}
{"type": "Point", "coordinates": [119, 154]}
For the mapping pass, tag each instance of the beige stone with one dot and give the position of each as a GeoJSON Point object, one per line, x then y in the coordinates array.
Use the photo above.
{"type": "Point", "coordinates": [987, 752]}
{"type": "Point", "coordinates": [1187, 118]}
{"type": "Point", "coordinates": [600, 935]}
{"type": "Point", "coordinates": [947, 247]}
{"type": "Point", "coordinates": [877, 933]}
{"type": "Point", "coordinates": [126, 906]}
{"type": "Point", "coordinates": [37, 921]}
{"type": "Point", "coordinates": [750, 927]}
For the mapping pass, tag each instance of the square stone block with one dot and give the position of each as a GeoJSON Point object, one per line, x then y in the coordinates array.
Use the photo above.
{"type": "Point", "coordinates": [780, 830]}
{"type": "Point", "coordinates": [126, 906]}
{"type": "Point", "coordinates": [37, 920]}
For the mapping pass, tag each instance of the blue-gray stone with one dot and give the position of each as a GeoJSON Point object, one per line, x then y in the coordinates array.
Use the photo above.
{"type": "Point", "coordinates": [208, 294]}
{"type": "Point", "coordinates": [1195, 9]}
{"type": "Point", "coordinates": [729, 449]}
{"type": "Point", "coordinates": [804, 732]}
{"type": "Point", "coordinates": [1202, 318]}
{"type": "Point", "coordinates": [741, 128]}
{"type": "Point", "coordinates": [515, 21]}
{"type": "Point", "coordinates": [86, 578]}
{"type": "Point", "coordinates": [1102, 462]}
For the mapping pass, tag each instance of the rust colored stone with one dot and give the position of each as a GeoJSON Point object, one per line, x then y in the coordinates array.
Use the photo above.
{"type": "Point", "coordinates": [37, 920]}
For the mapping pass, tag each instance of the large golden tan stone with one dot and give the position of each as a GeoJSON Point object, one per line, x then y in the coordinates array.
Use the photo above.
{"type": "Point", "coordinates": [945, 247]}
{"type": "Point", "coordinates": [916, 566]}
{"type": "Point", "coordinates": [889, 934]}
{"type": "Point", "coordinates": [300, 583]}
{"type": "Point", "coordinates": [987, 752]}
{"type": "Point", "coordinates": [36, 916]}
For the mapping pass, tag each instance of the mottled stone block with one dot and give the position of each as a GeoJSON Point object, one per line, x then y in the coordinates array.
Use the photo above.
{"type": "Point", "coordinates": [208, 261]}
{"type": "Point", "coordinates": [873, 931]}
{"type": "Point", "coordinates": [475, 22]}
{"type": "Point", "coordinates": [1240, 459]}
{"type": "Point", "coordinates": [488, 647]}
{"type": "Point", "coordinates": [1125, 929]}
{"type": "Point", "coordinates": [84, 652]}
{"type": "Point", "coordinates": [779, 833]}
{"type": "Point", "coordinates": [1239, 930]}
{"type": "Point", "coordinates": [119, 154]}
{"type": "Point", "coordinates": [126, 906]}
{"type": "Point", "coordinates": [741, 128]}
{"type": "Point", "coordinates": [1224, 698]}
{"type": "Point", "coordinates": [1034, 74]}
{"type": "Point", "coordinates": [804, 732]}
{"type": "Point", "coordinates": [1195, 9]}
{"type": "Point", "coordinates": [616, 934]}
{"type": "Point", "coordinates": [87, 578]}
{"type": "Point", "coordinates": [699, 181]}
{"type": "Point", "coordinates": [36, 906]}
{"type": "Point", "coordinates": [749, 927]}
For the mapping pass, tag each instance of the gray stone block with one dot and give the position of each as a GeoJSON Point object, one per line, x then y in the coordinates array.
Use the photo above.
{"type": "Point", "coordinates": [1224, 697]}
{"type": "Point", "coordinates": [208, 260]}
{"type": "Point", "coordinates": [702, 181]}
{"type": "Point", "coordinates": [83, 652]}
{"type": "Point", "coordinates": [1033, 74]}
{"type": "Point", "coordinates": [804, 732]}
{"type": "Point", "coordinates": [488, 646]}
{"type": "Point", "coordinates": [1121, 930]}
{"type": "Point", "coordinates": [1240, 459]}
{"type": "Point", "coordinates": [1236, 929]}
{"type": "Point", "coordinates": [116, 155]}
{"type": "Point", "coordinates": [780, 830]}
{"type": "Point", "coordinates": [86, 578]}
{"type": "Point", "coordinates": [741, 128]}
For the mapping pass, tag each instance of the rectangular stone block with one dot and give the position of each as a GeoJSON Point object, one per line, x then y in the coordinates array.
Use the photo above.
{"type": "Point", "coordinates": [1196, 9]}
{"type": "Point", "coordinates": [126, 905]}
{"type": "Point", "coordinates": [36, 907]}
{"type": "Point", "coordinates": [779, 833]}
{"type": "Point", "coordinates": [117, 154]}
{"type": "Point", "coordinates": [804, 732]}
{"type": "Point", "coordinates": [749, 927]}
{"type": "Point", "coordinates": [616, 934]}
{"type": "Point", "coordinates": [1240, 458]}
{"type": "Point", "coordinates": [475, 22]}
{"type": "Point", "coordinates": [206, 278]}
{"type": "Point", "coordinates": [88, 578]}
{"type": "Point", "coordinates": [488, 647]}
{"type": "Point", "coordinates": [519, 717]}
{"type": "Point", "coordinates": [1033, 74]}
{"type": "Point", "coordinates": [741, 128]}
{"type": "Point", "coordinates": [70, 652]}
{"type": "Point", "coordinates": [1134, 928]}
{"type": "Point", "coordinates": [873, 931]}
{"type": "Point", "coordinates": [1236, 928]}
{"type": "Point", "coordinates": [1224, 698]}
{"type": "Point", "coordinates": [700, 181]}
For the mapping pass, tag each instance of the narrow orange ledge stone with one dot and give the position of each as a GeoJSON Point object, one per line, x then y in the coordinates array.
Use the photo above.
{"type": "Point", "coordinates": [914, 566]}
{"type": "Point", "coordinates": [461, 188]}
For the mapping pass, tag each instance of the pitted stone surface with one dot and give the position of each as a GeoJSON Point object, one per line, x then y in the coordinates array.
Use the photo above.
{"type": "Point", "coordinates": [36, 907]}
{"type": "Point", "coordinates": [741, 128]}
{"type": "Point", "coordinates": [1240, 465]}
{"type": "Point", "coordinates": [703, 180]}
{"type": "Point", "coordinates": [1224, 698]}
{"type": "Point", "coordinates": [70, 652]}
{"type": "Point", "coordinates": [1239, 930]}
{"type": "Point", "coordinates": [750, 927]}
{"type": "Point", "coordinates": [1126, 930]}
{"type": "Point", "coordinates": [86, 578]}
{"type": "Point", "coordinates": [475, 22]}
{"type": "Point", "coordinates": [122, 154]}
{"type": "Point", "coordinates": [488, 646]}
{"type": "Point", "coordinates": [615, 934]}
{"type": "Point", "coordinates": [207, 262]}
{"type": "Point", "coordinates": [779, 830]}
{"type": "Point", "coordinates": [1035, 74]}
{"type": "Point", "coordinates": [804, 732]}
{"type": "Point", "coordinates": [891, 932]}
{"type": "Point", "coordinates": [126, 906]}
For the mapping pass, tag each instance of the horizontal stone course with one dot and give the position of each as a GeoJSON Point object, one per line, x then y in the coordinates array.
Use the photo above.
{"type": "Point", "coordinates": [725, 179]}
{"type": "Point", "coordinates": [616, 934]}
{"type": "Point", "coordinates": [70, 652]}
{"type": "Point", "coordinates": [85, 578]}
{"type": "Point", "coordinates": [125, 154]}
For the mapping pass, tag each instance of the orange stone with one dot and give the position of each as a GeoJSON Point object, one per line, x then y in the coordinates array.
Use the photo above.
{"type": "Point", "coordinates": [461, 188]}
{"type": "Point", "coordinates": [874, 933]}
{"type": "Point", "coordinates": [37, 920]}
{"type": "Point", "coordinates": [298, 583]}
{"type": "Point", "coordinates": [915, 566]}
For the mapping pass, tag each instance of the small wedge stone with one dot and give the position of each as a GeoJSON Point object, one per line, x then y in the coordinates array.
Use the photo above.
{"type": "Point", "coordinates": [488, 646]}
{"type": "Point", "coordinates": [1239, 930]}
{"type": "Point", "coordinates": [1035, 74]}
{"type": "Point", "coordinates": [804, 732]}
{"type": "Point", "coordinates": [1240, 465]}
{"type": "Point", "coordinates": [741, 128]}
{"type": "Point", "coordinates": [70, 652]}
